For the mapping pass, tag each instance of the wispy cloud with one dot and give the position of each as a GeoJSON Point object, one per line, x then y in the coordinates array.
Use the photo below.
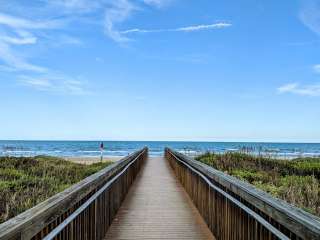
{"type": "Point", "coordinates": [76, 6]}
{"type": "Point", "coordinates": [62, 40]}
{"type": "Point", "coordinates": [21, 31]}
{"type": "Point", "coordinates": [204, 27]}
{"type": "Point", "coordinates": [193, 28]}
{"type": "Point", "coordinates": [55, 83]}
{"type": "Point", "coordinates": [113, 13]}
{"type": "Point", "coordinates": [117, 12]}
{"type": "Point", "coordinates": [158, 3]}
{"type": "Point", "coordinates": [14, 61]}
{"type": "Point", "coordinates": [316, 68]}
{"type": "Point", "coordinates": [44, 24]}
{"type": "Point", "coordinates": [21, 23]}
{"type": "Point", "coordinates": [310, 15]}
{"type": "Point", "coordinates": [295, 88]}
{"type": "Point", "coordinates": [22, 38]}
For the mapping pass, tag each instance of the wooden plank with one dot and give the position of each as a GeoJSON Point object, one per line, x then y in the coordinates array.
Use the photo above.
{"type": "Point", "coordinates": [157, 207]}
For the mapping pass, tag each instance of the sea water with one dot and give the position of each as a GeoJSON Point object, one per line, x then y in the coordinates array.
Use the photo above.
{"type": "Point", "coordinates": [156, 148]}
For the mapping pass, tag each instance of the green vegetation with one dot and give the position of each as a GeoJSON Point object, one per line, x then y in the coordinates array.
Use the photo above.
{"type": "Point", "coordinates": [295, 181]}
{"type": "Point", "coordinates": [25, 182]}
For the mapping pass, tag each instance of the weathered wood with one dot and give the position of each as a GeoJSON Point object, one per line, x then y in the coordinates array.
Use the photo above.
{"type": "Point", "coordinates": [157, 207]}
{"type": "Point", "coordinates": [34, 222]}
{"type": "Point", "coordinates": [290, 220]}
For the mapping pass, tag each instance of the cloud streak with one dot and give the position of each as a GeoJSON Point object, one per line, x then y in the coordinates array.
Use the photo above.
{"type": "Point", "coordinates": [194, 28]}
{"type": "Point", "coordinates": [55, 83]}
{"type": "Point", "coordinates": [310, 15]}
{"type": "Point", "coordinates": [21, 23]}
{"type": "Point", "coordinates": [295, 88]}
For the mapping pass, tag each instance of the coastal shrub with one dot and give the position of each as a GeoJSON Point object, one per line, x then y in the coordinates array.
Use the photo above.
{"type": "Point", "coordinates": [250, 175]}
{"type": "Point", "coordinates": [9, 174]}
{"type": "Point", "coordinates": [267, 187]}
{"type": "Point", "coordinates": [296, 181]}
{"type": "Point", "coordinates": [301, 191]}
{"type": "Point", "coordinates": [307, 166]}
{"type": "Point", "coordinates": [25, 182]}
{"type": "Point", "coordinates": [209, 159]}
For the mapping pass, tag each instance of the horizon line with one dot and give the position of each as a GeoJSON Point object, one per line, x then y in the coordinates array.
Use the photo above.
{"type": "Point", "coordinates": [192, 141]}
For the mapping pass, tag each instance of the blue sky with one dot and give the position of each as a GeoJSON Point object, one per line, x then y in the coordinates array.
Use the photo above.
{"type": "Point", "coordinates": [204, 70]}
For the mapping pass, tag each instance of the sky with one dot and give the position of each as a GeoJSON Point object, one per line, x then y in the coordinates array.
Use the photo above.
{"type": "Point", "coordinates": [204, 70]}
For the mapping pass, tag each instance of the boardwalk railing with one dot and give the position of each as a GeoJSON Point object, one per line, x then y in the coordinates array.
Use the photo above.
{"type": "Point", "coordinates": [236, 210]}
{"type": "Point", "coordinates": [82, 212]}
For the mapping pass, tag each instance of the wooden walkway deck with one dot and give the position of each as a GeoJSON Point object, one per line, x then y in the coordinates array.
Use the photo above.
{"type": "Point", "coordinates": [157, 207]}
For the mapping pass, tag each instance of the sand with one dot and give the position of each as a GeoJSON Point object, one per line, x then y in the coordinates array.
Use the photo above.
{"type": "Point", "coordinates": [90, 160]}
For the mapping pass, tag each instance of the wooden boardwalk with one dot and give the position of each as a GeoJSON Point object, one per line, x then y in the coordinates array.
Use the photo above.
{"type": "Point", "coordinates": [157, 207]}
{"type": "Point", "coordinates": [145, 200]}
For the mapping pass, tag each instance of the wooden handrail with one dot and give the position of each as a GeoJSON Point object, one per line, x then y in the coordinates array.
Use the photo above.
{"type": "Point", "coordinates": [39, 221]}
{"type": "Point", "coordinates": [289, 220]}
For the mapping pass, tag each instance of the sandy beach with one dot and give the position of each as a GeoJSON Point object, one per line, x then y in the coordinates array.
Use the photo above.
{"type": "Point", "coordinates": [91, 160]}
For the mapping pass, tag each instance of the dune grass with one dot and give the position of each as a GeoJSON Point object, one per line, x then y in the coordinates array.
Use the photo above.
{"type": "Point", "coordinates": [295, 181]}
{"type": "Point", "coordinates": [27, 181]}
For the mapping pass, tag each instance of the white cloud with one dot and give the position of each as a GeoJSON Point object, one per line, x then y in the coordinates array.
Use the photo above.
{"type": "Point", "coordinates": [138, 30]}
{"type": "Point", "coordinates": [22, 38]}
{"type": "Point", "coordinates": [76, 6]}
{"type": "Point", "coordinates": [21, 31]}
{"type": "Point", "coordinates": [158, 3]}
{"type": "Point", "coordinates": [116, 13]}
{"type": "Point", "coordinates": [13, 61]}
{"type": "Point", "coordinates": [46, 23]}
{"type": "Point", "coordinates": [121, 10]}
{"type": "Point", "coordinates": [39, 83]}
{"type": "Point", "coordinates": [204, 27]}
{"type": "Point", "coordinates": [287, 88]}
{"type": "Point", "coordinates": [60, 40]}
{"type": "Point", "coordinates": [310, 15]}
{"type": "Point", "coordinates": [21, 23]}
{"type": "Point", "coordinates": [18, 31]}
{"type": "Point", "coordinates": [316, 68]}
{"type": "Point", "coordinates": [295, 88]}
{"type": "Point", "coordinates": [55, 83]}
{"type": "Point", "coordinates": [111, 12]}
{"type": "Point", "coordinates": [193, 28]}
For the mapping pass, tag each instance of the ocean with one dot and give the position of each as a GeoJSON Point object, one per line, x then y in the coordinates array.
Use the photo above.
{"type": "Point", "coordinates": [123, 148]}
